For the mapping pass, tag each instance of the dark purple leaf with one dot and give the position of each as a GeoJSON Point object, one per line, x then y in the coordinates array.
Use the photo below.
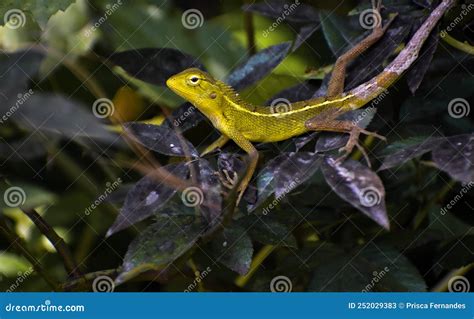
{"type": "Point", "coordinates": [16, 70]}
{"type": "Point", "coordinates": [296, 169]}
{"type": "Point", "coordinates": [301, 141]}
{"type": "Point", "coordinates": [61, 115]}
{"type": "Point", "coordinates": [162, 139]}
{"type": "Point", "coordinates": [258, 66]}
{"type": "Point", "coordinates": [230, 162]}
{"type": "Point", "coordinates": [304, 33]}
{"type": "Point", "coordinates": [371, 63]}
{"type": "Point", "coordinates": [186, 116]}
{"type": "Point", "coordinates": [22, 150]}
{"type": "Point", "coordinates": [160, 244]}
{"type": "Point", "coordinates": [299, 92]}
{"type": "Point", "coordinates": [455, 156]}
{"type": "Point", "coordinates": [359, 186]}
{"type": "Point", "coordinates": [146, 198]}
{"type": "Point", "coordinates": [154, 65]}
{"type": "Point", "coordinates": [402, 151]}
{"type": "Point", "coordinates": [288, 10]}
{"type": "Point", "coordinates": [211, 206]}
{"type": "Point", "coordinates": [234, 249]}
{"type": "Point", "coordinates": [417, 72]}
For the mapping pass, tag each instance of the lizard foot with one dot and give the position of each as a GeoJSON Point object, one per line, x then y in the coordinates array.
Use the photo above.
{"type": "Point", "coordinates": [354, 142]}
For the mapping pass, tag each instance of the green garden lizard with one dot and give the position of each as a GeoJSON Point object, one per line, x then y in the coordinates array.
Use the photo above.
{"type": "Point", "coordinates": [244, 123]}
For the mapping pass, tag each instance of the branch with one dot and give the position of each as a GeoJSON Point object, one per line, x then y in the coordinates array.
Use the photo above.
{"type": "Point", "coordinates": [55, 240]}
{"type": "Point", "coordinates": [18, 244]}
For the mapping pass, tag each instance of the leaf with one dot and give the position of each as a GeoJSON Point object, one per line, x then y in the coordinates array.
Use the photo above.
{"type": "Point", "coordinates": [233, 248]}
{"type": "Point", "coordinates": [371, 63]}
{"type": "Point", "coordinates": [186, 116]}
{"type": "Point", "coordinates": [418, 71]}
{"type": "Point", "coordinates": [159, 245]}
{"type": "Point", "coordinates": [16, 70]}
{"type": "Point", "coordinates": [258, 66]}
{"type": "Point", "coordinates": [293, 171]}
{"type": "Point", "coordinates": [303, 34]}
{"type": "Point", "coordinates": [299, 92]}
{"type": "Point", "coordinates": [41, 10]}
{"type": "Point", "coordinates": [371, 268]}
{"type": "Point", "coordinates": [402, 151]}
{"type": "Point", "coordinates": [59, 115]}
{"type": "Point", "coordinates": [268, 231]}
{"type": "Point", "coordinates": [359, 186]}
{"type": "Point", "coordinates": [338, 32]}
{"type": "Point", "coordinates": [146, 198]}
{"type": "Point", "coordinates": [455, 156]}
{"type": "Point", "coordinates": [22, 150]}
{"type": "Point", "coordinates": [161, 139]}
{"type": "Point", "coordinates": [291, 11]}
{"type": "Point", "coordinates": [154, 66]}
{"type": "Point", "coordinates": [211, 206]}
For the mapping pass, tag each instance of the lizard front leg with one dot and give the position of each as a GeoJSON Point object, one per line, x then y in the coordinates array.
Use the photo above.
{"type": "Point", "coordinates": [248, 147]}
{"type": "Point", "coordinates": [216, 144]}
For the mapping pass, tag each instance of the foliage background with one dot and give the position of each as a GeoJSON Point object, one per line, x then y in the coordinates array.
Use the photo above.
{"type": "Point", "coordinates": [65, 159]}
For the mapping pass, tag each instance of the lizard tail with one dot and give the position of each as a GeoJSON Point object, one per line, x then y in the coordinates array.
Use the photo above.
{"type": "Point", "coordinates": [379, 84]}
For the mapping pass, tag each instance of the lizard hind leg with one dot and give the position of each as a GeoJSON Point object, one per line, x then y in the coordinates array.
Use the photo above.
{"type": "Point", "coordinates": [336, 82]}
{"type": "Point", "coordinates": [328, 122]}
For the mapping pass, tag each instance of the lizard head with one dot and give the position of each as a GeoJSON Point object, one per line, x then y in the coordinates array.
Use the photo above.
{"type": "Point", "coordinates": [197, 87]}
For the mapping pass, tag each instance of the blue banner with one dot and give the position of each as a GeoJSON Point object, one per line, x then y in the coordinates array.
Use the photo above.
{"type": "Point", "coordinates": [237, 305]}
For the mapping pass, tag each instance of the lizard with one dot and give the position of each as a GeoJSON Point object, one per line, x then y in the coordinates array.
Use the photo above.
{"type": "Point", "coordinates": [244, 123]}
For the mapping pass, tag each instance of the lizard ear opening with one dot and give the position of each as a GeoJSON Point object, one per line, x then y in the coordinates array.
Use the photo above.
{"type": "Point", "coordinates": [193, 80]}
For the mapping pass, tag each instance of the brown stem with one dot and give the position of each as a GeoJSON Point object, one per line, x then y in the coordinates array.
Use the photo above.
{"type": "Point", "coordinates": [19, 246]}
{"type": "Point", "coordinates": [250, 31]}
{"type": "Point", "coordinates": [55, 240]}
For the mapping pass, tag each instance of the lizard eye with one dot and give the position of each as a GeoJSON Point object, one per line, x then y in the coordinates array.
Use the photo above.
{"type": "Point", "coordinates": [193, 80]}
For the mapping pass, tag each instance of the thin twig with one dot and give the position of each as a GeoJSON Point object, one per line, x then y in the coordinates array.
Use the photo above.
{"type": "Point", "coordinates": [55, 240]}
{"type": "Point", "coordinates": [19, 246]}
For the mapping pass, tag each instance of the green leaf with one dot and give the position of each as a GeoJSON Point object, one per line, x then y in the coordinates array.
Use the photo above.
{"type": "Point", "coordinates": [159, 245]}
{"type": "Point", "coordinates": [234, 249]}
{"type": "Point", "coordinates": [41, 10]}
